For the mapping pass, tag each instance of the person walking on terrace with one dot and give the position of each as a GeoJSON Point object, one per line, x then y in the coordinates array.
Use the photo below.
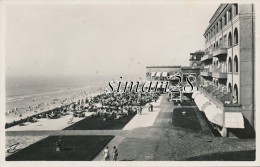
{"type": "Point", "coordinates": [115, 153]}
{"type": "Point", "coordinates": [106, 154]}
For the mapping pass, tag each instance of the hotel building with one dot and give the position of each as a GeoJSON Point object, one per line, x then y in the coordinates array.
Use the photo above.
{"type": "Point", "coordinates": [160, 73]}
{"type": "Point", "coordinates": [226, 93]}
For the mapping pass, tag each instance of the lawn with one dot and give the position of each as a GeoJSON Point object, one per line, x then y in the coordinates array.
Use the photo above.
{"type": "Point", "coordinates": [189, 121]}
{"type": "Point", "coordinates": [90, 123]}
{"type": "Point", "coordinates": [75, 148]}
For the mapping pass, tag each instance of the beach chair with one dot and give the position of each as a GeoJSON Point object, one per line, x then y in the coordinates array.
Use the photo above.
{"type": "Point", "coordinates": [12, 148]}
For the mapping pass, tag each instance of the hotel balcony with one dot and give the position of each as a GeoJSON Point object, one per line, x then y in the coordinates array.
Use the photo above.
{"type": "Point", "coordinates": [220, 52]}
{"type": "Point", "coordinates": [206, 72]}
{"type": "Point", "coordinates": [219, 73]}
{"type": "Point", "coordinates": [207, 56]}
{"type": "Point", "coordinates": [219, 95]}
{"type": "Point", "coordinates": [224, 114]}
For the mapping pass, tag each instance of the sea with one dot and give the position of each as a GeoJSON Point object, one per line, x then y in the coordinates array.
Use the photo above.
{"type": "Point", "coordinates": [21, 88]}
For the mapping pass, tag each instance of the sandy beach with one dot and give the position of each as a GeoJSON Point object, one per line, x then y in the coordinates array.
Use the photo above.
{"type": "Point", "coordinates": [41, 103]}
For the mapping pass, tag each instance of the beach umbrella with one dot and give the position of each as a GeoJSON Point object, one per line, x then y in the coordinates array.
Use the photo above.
{"type": "Point", "coordinates": [98, 104]}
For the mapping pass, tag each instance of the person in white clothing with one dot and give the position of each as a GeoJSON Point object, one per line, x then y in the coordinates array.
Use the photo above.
{"type": "Point", "coordinates": [106, 154]}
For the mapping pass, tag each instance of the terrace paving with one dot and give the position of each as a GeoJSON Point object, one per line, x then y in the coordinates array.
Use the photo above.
{"type": "Point", "coordinates": [164, 135]}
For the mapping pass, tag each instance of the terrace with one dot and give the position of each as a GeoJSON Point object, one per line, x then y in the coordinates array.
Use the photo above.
{"type": "Point", "coordinates": [207, 72]}
{"type": "Point", "coordinates": [220, 51]}
{"type": "Point", "coordinates": [207, 56]}
{"type": "Point", "coordinates": [219, 96]}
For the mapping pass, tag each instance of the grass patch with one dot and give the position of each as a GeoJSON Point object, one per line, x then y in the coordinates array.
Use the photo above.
{"type": "Point", "coordinates": [90, 123]}
{"type": "Point", "coordinates": [189, 121]}
{"type": "Point", "coordinates": [75, 148]}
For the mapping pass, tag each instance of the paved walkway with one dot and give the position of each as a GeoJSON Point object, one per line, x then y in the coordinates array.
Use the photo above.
{"type": "Point", "coordinates": [146, 119]}
{"type": "Point", "coordinates": [152, 136]}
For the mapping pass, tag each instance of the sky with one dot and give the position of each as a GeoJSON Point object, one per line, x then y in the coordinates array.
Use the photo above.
{"type": "Point", "coordinates": [52, 39]}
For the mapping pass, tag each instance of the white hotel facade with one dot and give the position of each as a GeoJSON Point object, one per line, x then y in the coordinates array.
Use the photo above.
{"type": "Point", "coordinates": [226, 92]}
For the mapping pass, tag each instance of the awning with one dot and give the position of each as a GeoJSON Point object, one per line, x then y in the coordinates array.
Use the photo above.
{"type": "Point", "coordinates": [234, 120]}
{"type": "Point", "coordinates": [201, 101]}
{"type": "Point", "coordinates": [152, 74]}
{"type": "Point", "coordinates": [195, 94]}
{"type": "Point", "coordinates": [158, 74]}
{"type": "Point", "coordinates": [164, 74]}
{"type": "Point", "coordinates": [214, 114]}
{"type": "Point", "coordinates": [174, 76]}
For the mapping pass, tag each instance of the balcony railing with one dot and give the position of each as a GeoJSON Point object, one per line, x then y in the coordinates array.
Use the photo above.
{"type": "Point", "coordinates": [207, 72]}
{"type": "Point", "coordinates": [219, 95]}
{"type": "Point", "coordinates": [207, 56]}
{"type": "Point", "coordinates": [220, 51]}
{"type": "Point", "coordinates": [219, 72]}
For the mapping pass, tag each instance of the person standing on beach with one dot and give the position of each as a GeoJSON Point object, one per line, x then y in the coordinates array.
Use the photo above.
{"type": "Point", "coordinates": [106, 154]}
{"type": "Point", "coordinates": [140, 110]}
{"type": "Point", "coordinates": [115, 153]}
{"type": "Point", "coordinates": [151, 107]}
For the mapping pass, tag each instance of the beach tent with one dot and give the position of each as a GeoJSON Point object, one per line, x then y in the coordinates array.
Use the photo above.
{"type": "Point", "coordinates": [158, 74]}
{"type": "Point", "coordinates": [164, 74]}
{"type": "Point", "coordinates": [153, 74]}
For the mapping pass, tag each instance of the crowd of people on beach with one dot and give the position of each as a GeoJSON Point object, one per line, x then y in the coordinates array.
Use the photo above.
{"type": "Point", "coordinates": [113, 105]}
{"type": "Point", "coordinates": [118, 105]}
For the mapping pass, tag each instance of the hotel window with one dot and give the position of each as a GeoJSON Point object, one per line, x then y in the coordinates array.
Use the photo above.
{"type": "Point", "coordinates": [227, 17]}
{"type": "Point", "coordinates": [229, 87]}
{"type": "Point", "coordinates": [229, 39]}
{"type": "Point", "coordinates": [217, 46]}
{"type": "Point", "coordinates": [225, 41]}
{"type": "Point", "coordinates": [220, 43]}
{"type": "Point", "coordinates": [236, 64]}
{"type": "Point", "coordinates": [235, 94]}
{"type": "Point", "coordinates": [230, 14]}
{"type": "Point", "coordinates": [224, 20]}
{"type": "Point", "coordinates": [235, 36]}
{"type": "Point", "coordinates": [229, 65]}
{"type": "Point", "coordinates": [236, 9]}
